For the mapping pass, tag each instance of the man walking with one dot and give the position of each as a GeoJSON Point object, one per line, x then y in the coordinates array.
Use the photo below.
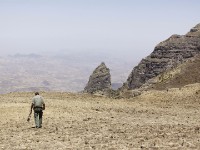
{"type": "Point", "coordinates": [38, 106]}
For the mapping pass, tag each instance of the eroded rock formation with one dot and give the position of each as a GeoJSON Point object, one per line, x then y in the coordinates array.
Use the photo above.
{"type": "Point", "coordinates": [166, 55]}
{"type": "Point", "coordinates": [100, 80]}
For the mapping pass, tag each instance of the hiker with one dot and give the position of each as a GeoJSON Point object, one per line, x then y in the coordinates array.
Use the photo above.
{"type": "Point", "coordinates": [38, 106]}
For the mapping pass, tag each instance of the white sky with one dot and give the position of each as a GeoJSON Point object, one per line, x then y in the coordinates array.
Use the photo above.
{"type": "Point", "coordinates": [133, 27]}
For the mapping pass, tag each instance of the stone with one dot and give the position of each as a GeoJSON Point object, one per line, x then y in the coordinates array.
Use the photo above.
{"type": "Point", "coordinates": [166, 55]}
{"type": "Point", "coordinates": [100, 80]}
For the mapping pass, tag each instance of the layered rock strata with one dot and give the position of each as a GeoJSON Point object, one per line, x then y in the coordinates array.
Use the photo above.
{"type": "Point", "coordinates": [166, 55]}
{"type": "Point", "coordinates": [100, 80]}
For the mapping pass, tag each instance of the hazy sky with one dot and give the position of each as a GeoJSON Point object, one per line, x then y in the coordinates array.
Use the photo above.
{"type": "Point", "coordinates": [115, 26]}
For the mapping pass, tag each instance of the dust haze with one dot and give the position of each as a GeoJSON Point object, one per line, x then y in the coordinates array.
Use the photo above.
{"type": "Point", "coordinates": [58, 72]}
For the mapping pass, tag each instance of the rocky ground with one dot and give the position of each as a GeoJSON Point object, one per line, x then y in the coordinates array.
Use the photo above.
{"type": "Point", "coordinates": [154, 120]}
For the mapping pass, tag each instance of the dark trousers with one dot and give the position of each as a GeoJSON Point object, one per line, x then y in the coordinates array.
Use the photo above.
{"type": "Point", "coordinates": [38, 118]}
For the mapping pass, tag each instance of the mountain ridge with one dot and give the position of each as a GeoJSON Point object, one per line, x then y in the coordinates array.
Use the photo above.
{"type": "Point", "coordinates": [167, 54]}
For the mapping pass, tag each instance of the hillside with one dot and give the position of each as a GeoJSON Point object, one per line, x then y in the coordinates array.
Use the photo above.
{"type": "Point", "coordinates": [166, 55]}
{"type": "Point", "coordinates": [184, 74]}
{"type": "Point", "coordinates": [154, 120]}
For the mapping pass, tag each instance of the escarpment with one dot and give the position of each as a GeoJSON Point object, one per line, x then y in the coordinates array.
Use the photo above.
{"type": "Point", "coordinates": [166, 55]}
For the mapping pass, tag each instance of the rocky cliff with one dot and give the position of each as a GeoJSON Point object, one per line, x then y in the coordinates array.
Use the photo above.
{"type": "Point", "coordinates": [100, 80]}
{"type": "Point", "coordinates": [166, 55]}
{"type": "Point", "coordinates": [185, 74]}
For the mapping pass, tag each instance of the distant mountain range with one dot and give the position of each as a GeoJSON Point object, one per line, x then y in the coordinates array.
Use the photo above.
{"type": "Point", "coordinates": [61, 72]}
{"type": "Point", "coordinates": [70, 71]}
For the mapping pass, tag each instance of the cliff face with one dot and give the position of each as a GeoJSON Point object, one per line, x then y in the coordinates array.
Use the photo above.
{"type": "Point", "coordinates": [100, 80]}
{"type": "Point", "coordinates": [166, 55]}
{"type": "Point", "coordinates": [184, 74]}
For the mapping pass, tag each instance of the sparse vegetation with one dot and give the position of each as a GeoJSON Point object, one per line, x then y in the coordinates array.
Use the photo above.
{"type": "Point", "coordinates": [184, 74]}
{"type": "Point", "coordinates": [153, 120]}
